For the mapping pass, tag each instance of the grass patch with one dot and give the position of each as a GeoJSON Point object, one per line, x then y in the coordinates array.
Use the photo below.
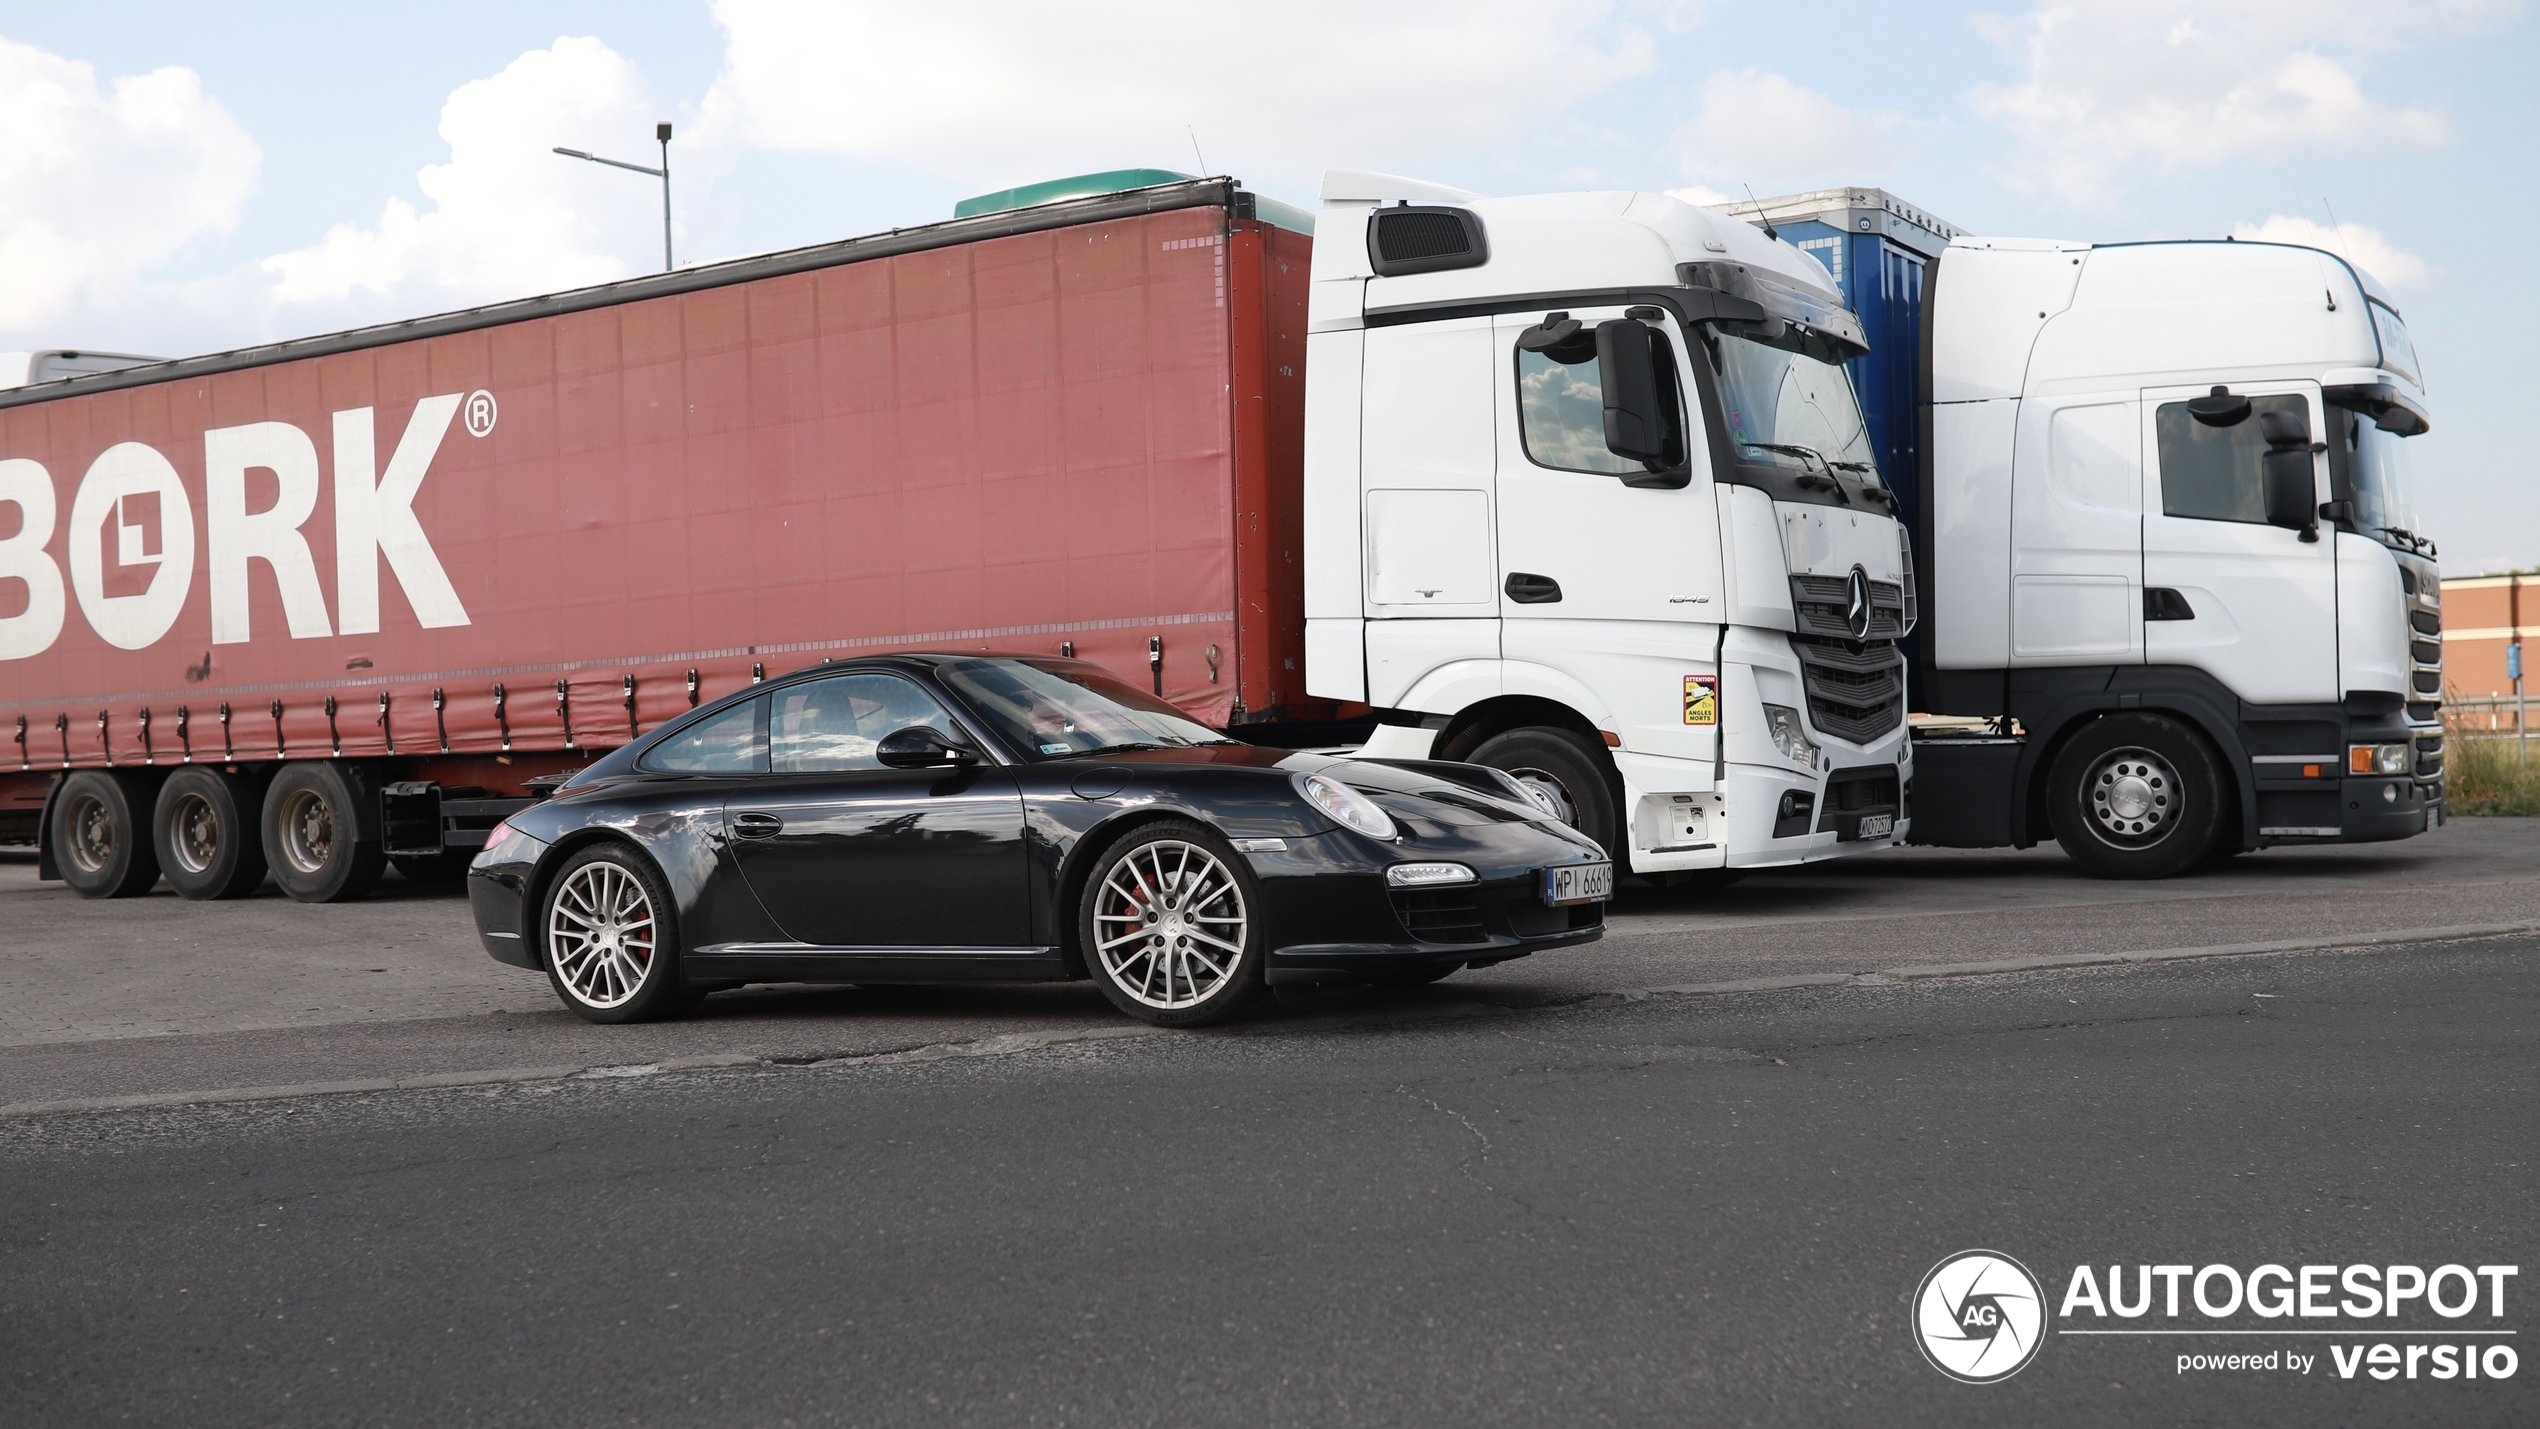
{"type": "Point", "coordinates": [2489, 776]}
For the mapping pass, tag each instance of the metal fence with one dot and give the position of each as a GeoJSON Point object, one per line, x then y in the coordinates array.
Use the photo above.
{"type": "Point", "coordinates": [2475, 715]}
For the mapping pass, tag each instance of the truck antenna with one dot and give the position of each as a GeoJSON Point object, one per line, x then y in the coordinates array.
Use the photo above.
{"type": "Point", "coordinates": [1195, 153]}
{"type": "Point", "coordinates": [2337, 228]}
{"type": "Point", "coordinates": [1769, 231]}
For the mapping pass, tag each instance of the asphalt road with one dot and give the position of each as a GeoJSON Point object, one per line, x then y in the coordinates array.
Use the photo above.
{"type": "Point", "coordinates": [1666, 1211]}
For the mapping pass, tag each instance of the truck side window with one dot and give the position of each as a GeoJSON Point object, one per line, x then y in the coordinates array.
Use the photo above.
{"type": "Point", "coordinates": [728, 743]}
{"type": "Point", "coordinates": [1561, 408]}
{"type": "Point", "coordinates": [2213, 473]}
{"type": "Point", "coordinates": [831, 726]}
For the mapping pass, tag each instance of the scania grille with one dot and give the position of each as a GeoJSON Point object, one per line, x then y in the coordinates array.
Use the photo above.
{"type": "Point", "coordinates": [1823, 605]}
{"type": "Point", "coordinates": [2425, 654]}
{"type": "Point", "coordinates": [1854, 692]}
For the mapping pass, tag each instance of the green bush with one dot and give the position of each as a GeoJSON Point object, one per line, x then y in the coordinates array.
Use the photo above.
{"type": "Point", "coordinates": [2490, 776]}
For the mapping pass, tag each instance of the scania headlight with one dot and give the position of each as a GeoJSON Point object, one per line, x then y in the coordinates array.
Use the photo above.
{"type": "Point", "coordinates": [1346, 806]}
{"type": "Point", "coordinates": [2377, 759]}
{"type": "Point", "coordinates": [1790, 736]}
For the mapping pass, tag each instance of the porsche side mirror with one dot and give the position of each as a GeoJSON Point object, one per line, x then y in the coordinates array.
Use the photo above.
{"type": "Point", "coordinates": [921, 747]}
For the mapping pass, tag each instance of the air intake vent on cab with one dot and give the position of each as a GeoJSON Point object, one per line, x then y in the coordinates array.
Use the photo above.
{"type": "Point", "coordinates": [1415, 239]}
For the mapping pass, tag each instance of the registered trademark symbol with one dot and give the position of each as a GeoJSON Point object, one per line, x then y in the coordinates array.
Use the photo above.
{"type": "Point", "coordinates": [480, 412]}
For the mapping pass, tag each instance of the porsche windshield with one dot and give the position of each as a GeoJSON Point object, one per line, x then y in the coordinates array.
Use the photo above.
{"type": "Point", "coordinates": [1789, 409]}
{"type": "Point", "coordinates": [1057, 709]}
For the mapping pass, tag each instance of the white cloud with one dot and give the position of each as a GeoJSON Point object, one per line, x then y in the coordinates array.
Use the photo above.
{"type": "Point", "coordinates": [98, 184]}
{"type": "Point", "coordinates": [1001, 93]}
{"type": "Point", "coordinates": [508, 215]}
{"type": "Point", "coordinates": [1702, 197]}
{"type": "Point", "coordinates": [2366, 248]}
{"type": "Point", "coordinates": [2111, 88]}
{"type": "Point", "coordinates": [1757, 127]}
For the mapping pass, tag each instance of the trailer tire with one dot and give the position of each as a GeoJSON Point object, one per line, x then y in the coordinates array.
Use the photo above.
{"type": "Point", "coordinates": [1577, 773]}
{"type": "Point", "coordinates": [2136, 796]}
{"type": "Point", "coordinates": [312, 835]}
{"type": "Point", "coordinates": [205, 834]}
{"type": "Point", "coordinates": [101, 841]}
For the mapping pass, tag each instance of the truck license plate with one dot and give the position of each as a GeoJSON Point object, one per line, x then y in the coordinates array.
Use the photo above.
{"type": "Point", "coordinates": [1877, 826]}
{"type": "Point", "coordinates": [1578, 883]}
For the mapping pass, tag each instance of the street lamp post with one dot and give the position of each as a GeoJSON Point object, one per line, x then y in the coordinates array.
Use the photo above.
{"type": "Point", "coordinates": [661, 132]}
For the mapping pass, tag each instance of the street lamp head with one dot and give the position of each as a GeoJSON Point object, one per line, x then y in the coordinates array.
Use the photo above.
{"type": "Point", "coordinates": [661, 132]}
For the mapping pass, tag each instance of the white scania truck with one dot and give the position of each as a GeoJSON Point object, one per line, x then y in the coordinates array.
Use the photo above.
{"type": "Point", "coordinates": [1588, 498]}
{"type": "Point", "coordinates": [2162, 501]}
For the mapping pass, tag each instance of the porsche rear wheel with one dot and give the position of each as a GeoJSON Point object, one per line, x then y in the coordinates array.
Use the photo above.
{"type": "Point", "coordinates": [611, 941]}
{"type": "Point", "coordinates": [1171, 928]}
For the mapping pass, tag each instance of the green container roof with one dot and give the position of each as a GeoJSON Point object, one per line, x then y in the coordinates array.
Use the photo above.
{"type": "Point", "coordinates": [1111, 182]}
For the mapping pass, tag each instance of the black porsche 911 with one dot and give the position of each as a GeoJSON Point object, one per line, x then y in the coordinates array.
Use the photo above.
{"type": "Point", "coordinates": [938, 818]}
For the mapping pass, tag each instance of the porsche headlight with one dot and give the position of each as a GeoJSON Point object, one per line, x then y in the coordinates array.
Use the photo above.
{"type": "Point", "coordinates": [1790, 736]}
{"type": "Point", "coordinates": [1346, 806]}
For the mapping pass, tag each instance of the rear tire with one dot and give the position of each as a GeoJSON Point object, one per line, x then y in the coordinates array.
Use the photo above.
{"type": "Point", "coordinates": [101, 840]}
{"type": "Point", "coordinates": [2136, 796]}
{"type": "Point", "coordinates": [1579, 775]}
{"type": "Point", "coordinates": [312, 835]}
{"type": "Point", "coordinates": [205, 835]}
{"type": "Point", "coordinates": [609, 935]}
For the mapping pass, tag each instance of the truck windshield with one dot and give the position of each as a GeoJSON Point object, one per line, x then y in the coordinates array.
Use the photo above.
{"type": "Point", "coordinates": [2371, 468]}
{"type": "Point", "coordinates": [1786, 408]}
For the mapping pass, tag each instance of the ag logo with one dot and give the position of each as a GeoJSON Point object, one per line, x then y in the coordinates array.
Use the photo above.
{"type": "Point", "coordinates": [1856, 607]}
{"type": "Point", "coordinates": [1979, 1316]}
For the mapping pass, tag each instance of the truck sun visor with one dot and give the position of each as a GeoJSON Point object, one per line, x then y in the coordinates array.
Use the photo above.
{"type": "Point", "coordinates": [1821, 317]}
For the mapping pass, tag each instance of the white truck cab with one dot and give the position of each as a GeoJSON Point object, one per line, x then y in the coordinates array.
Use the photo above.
{"type": "Point", "coordinates": [2170, 554]}
{"type": "Point", "coordinates": [1589, 499]}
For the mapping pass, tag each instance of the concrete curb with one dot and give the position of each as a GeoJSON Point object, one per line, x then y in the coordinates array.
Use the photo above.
{"type": "Point", "coordinates": [1008, 1044]}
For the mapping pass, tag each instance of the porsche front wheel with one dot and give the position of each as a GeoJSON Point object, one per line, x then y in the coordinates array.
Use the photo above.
{"type": "Point", "coordinates": [1170, 924]}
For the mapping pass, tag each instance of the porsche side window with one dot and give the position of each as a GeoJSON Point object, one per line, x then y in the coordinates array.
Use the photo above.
{"type": "Point", "coordinates": [728, 743]}
{"type": "Point", "coordinates": [2213, 473]}
{"type": "Point", "coordinates": [831, 726]}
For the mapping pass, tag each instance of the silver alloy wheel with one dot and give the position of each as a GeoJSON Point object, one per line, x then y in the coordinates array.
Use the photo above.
{"type": "Point", "coordinates": [2133, 795]}
{"type": "Point", "coordinates": [92, 833]}
{"type": "Point", "coordinates": [308, 830]}
{"type": "Point", "coordinates": [1169, 924]}
{"type": "Point", "coordinates": [194, 833]}
{"type": "Point", "coordinates": [601, 934]}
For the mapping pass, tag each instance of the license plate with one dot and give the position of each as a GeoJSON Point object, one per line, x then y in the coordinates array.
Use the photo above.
{"type": "Point", "coordinates": [1877, 826]}
{"type": "Point", "coordinates": [1578, 883]}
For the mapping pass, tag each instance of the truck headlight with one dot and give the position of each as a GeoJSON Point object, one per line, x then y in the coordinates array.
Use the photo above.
{"type": "Point", "coordinates": [2377, 759]}
{"type": "Point", "coordinates": [1790, 736]}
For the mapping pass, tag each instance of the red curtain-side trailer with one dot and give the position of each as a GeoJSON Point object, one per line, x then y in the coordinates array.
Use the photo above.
{"type": "Point", "coordinates": [451, 555]}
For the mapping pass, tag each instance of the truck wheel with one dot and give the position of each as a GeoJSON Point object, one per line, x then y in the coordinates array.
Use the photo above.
{"type": "Point", "coordinates": [1171, 927]}
{"type": "Point", "coordinates": [1577, 775]}
{"type": "Point", "coordinates": [99, 840]}
{"type": "Point", "coordinates": [611, 938]}
{"type": "Point", "coordinates": [2135, 796]}
{"type": "Point", "coordinates": [201, 833]}
{"type": "Point", "coordinates": [312, 835]}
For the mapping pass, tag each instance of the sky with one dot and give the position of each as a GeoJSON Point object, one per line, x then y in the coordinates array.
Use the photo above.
{"type": "Point", "coordinates": [177, 179]}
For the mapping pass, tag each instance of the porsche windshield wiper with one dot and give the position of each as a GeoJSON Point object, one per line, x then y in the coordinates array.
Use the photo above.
{"type": "Point", "coordinates": [1129, 748]}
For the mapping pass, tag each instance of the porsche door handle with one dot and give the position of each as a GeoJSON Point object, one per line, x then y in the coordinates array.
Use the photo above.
{"type": "Point", "coordinates": [756, 826]}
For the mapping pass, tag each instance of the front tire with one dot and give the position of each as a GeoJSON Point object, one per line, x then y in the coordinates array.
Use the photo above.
{"type": "Point", "coordinates": [2136, 796]}
{"type": "Point", "coordinates": [1578, 775]}
{"type": "Point", "coordinates": [611, 938]}
{"type": "Point", "coordinates": [312, 835]}
{"type": "Point", "coordinates": [206, 839]}
{"type": "Point", "coordinates": [1171, 926]}
{"type": "Point", "coordinates": [101, 840]}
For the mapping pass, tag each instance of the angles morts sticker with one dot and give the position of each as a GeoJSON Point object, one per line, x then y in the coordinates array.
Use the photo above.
{"type": "Point", "coordinates": [1702, 699]}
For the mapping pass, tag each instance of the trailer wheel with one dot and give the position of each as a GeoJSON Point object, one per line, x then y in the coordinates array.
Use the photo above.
{"type": "Point", "coordinates": [206, 844]}
{"type": "Point", "coordinates": [99, 839]}
{"type": "Point", "coordinates": [1577, 775]}
{"type": "Point", "coordinates": [312, 835]}
{"type": "Point", "coordinates": [2135, 796]}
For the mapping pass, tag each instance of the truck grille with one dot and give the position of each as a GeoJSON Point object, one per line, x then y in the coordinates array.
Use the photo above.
{"type": "Point", "coordinates": [2425, 652]}
{"type": "Point", "coordinates": [1821, 604]}
{"type": "Point", "coordinates": [1855, 692]}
